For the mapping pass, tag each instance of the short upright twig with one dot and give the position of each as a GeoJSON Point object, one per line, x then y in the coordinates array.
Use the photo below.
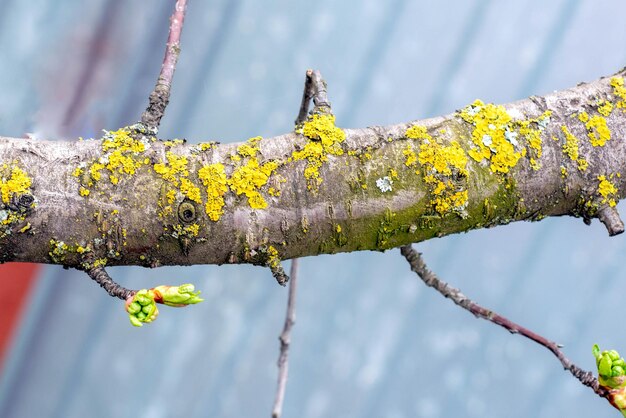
{"type": "Point", "coordinates": [285, 340]}
{"type": "Point", "coordinates": [430, 279]}
{"type": "Point", "coordinates": [160, 96]}
{"type": "Point", "coordinates": [314, 88]}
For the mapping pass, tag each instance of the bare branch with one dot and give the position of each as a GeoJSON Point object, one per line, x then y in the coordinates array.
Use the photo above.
{"type": "Point", "coordinates": [285, 340]}
{"type": "Point", "coordinates": [431, 280]}
{"type": "Point", "coordinates": [160, 96]}
{"type": "Point", "coordinates": [100, 276]}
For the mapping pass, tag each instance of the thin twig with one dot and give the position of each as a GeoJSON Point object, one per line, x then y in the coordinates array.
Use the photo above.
{"type": "Point", "coordinates": [160, 96]}
{"type": "Point", "coordinates": [100, 276]}
{"type": "Point", "coordinates": [314, 88]}
{"type": "Point", "coordinates": [430, 279]}
{"type": "Point", "coordinates": [285, 340]}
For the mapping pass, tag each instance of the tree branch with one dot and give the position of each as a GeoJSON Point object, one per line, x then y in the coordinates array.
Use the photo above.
{"type": "Point", "coordinates": [160, 96]}
{"type": "Point", "coordinates": [285, 341]}
{"type": "Point", "coordinates": [431, 280]}
{"type": "Point", "coordinates": [133, 200]}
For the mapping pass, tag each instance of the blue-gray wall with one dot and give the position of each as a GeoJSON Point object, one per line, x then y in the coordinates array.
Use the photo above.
{"type": "Point", "coordinates": [370, 340]}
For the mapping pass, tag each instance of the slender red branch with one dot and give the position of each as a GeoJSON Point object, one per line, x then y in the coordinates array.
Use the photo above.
{"type": "Point", "coordinates": [431, 280]}
{"type": "Point", "coordinates": [160, 96]}
{"type": "Point", "coordinates": [285, 340]}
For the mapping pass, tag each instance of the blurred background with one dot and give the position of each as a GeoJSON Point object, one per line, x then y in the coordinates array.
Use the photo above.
{"type": "Point", "coordinates": [370, 339]}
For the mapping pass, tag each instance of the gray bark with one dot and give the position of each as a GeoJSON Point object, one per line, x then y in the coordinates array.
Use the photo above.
{"type": "Point", "coordinates": [120, 224]}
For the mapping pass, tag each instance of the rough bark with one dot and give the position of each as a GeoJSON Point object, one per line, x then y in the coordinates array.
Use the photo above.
{"type": "Point", "coordinates": [362, 193]}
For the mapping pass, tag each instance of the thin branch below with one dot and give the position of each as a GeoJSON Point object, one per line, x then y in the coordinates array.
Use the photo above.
{"type": "Point", "coordinates": [431, 280]}
{"type": "Point", "coordinates": [160, 96]}
{"type": "Point", "coordinates": [285, 341]}
{"type": "Point", "coordinates": [100, 276]}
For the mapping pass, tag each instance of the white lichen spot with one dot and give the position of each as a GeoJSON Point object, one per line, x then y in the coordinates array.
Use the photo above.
{"type": "Point", "coordinates": [487, 140]}
{"type": "Point", "coordinates": [384, 184]}
{"type": "Point", "coordinates": [511, 136]}
{"type": "Point", "coordinates": [543, 122]}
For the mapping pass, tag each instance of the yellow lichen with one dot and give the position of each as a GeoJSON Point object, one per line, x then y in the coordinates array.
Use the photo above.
{"type": "Point", "coordinates": [417, 132]}
{"type": "Point", "coordinates": [205, 146]}
{"type": "Point", "coordinates": [187, 231]}
{"type": "Point", "coordinates": [607, 190]}
{"type": "Point", "coordinates": [605, 108]}
{"type": "Point", "coordinates": [620, 91]}
{"type": "Point", "coordinates": [411, 158]}
{"type": "Point", "coordinates": [273, 260]}
{"type": "Point", "coordinates": [190, 190]}
{"type": "Point", "coordinates": [491, 136]}
{"type": "Point", "coordinates": [14, 182]}
{"type": "Point", "coordinates": [83, 191]}
{"type": "Point", "coordinates": [443, 159]}
{"type": "Point", "coordinates": [249, 178]}
{"type": "Point", "coordinates": [193, 229]}
{"type": "Point", "coordinates": [570, 148]}
{"type": "Point", "coordinates": [273, 192]}
{"type": "Point", "coordinates": [250, 147]}
{"type": "Point", "coordinates": [173, 142]}
{"type": "Point", "coordinates": [170, 196]}
{"type": "Point", "coordinates": [122, 156]}
{"type": "Point", "coordinates": [324, 139]}
{"type": "Point", "coordinates": [597, 129]}
{"type": "Point", "coordinates": [213, 177]}
{"type": "Point", "coordinates": [94, 171]}
{"type": "Point", "coordinates": [58, 251]}
{"type": "Point", "coordinates": [531, 130]}
{"type": "Point", "coordinates": [176, 166]}
{"type": "Point", "coordinates": [445, 168]}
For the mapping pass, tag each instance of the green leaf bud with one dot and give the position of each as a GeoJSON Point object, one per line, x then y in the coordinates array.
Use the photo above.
{"type": "Point", "coordinates": [133, 308]}
{"type": "Point", "coordinates": [604, 366]}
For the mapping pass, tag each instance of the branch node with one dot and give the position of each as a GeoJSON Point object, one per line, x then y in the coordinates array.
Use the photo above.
{"type": "Point", "coordinates": [609, 216]}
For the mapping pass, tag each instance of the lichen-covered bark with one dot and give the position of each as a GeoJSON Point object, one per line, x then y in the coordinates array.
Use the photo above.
{"type": "Point", "coordinates": [129, 199]}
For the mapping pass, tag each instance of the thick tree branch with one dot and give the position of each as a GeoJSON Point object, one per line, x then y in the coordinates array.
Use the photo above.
{"type": "Point", "coordinates": [128, 199]}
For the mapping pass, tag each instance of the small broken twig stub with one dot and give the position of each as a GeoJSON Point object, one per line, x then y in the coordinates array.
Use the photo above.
{"type": "Point", "coordinates": [609, 216]}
